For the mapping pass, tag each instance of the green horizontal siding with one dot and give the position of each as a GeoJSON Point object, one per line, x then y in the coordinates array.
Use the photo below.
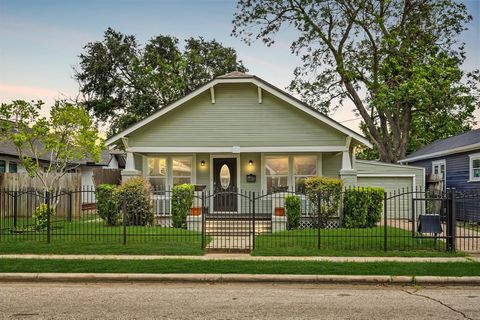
{"type": "Point", "coordinates": [235, 119]}
{"type": "Point", "coordinates": [372, 167]}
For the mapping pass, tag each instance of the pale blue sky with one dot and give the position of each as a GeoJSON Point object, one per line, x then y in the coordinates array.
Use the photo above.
{"type": "Point", "coordinates": [40, 40]}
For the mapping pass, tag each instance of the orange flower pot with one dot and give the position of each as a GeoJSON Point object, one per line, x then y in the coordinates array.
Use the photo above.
{"type": "Point", "coordinates": [195, 211]}
{"type": "Point", "coordinates": [279, 211]}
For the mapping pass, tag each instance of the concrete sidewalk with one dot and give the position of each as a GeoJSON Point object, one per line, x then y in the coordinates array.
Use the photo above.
{"type": "Point", "coordinates": [237, 278]}
{"type": "Point", "coordinates": [243, 257]}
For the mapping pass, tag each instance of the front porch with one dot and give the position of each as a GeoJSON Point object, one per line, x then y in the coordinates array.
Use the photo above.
{"type": "Point", "coordinates": [242, 172]}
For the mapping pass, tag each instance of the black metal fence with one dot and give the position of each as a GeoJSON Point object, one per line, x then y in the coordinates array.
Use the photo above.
{"type": "Point", "coordinates": [289, 222]}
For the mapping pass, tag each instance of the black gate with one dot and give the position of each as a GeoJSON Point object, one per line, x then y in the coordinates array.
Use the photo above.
{"type": "Point", "coordinates": [452, 216]}
{"type": "Point", "coordinates": [229, 230]}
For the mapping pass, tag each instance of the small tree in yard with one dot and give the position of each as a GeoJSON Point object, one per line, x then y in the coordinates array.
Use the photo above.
{"type": "Point", "coordinates": [58, 142]}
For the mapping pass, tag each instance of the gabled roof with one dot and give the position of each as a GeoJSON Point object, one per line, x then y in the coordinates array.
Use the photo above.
{"type": "Point", "coordinates": [456, 144]}
{"type": "Point", "coordinates": [239, 77]}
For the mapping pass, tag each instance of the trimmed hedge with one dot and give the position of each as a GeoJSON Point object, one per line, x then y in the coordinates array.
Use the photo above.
{"type": "Point", "coordinates": [330, 192]}
{"type": "Point", "coordinates": [107, 204]}
{"type": "Point", "coordinates": [293, 211]}
{"type": "Point", "coordinates": [135, 194]}
{"type": "Point", "coordinates": [182, 200]}
{"type": "Point", "coordinates": [362, 207]}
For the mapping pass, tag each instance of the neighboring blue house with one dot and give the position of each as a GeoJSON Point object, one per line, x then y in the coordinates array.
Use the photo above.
{"type": "Point", "coordinates": [456, 160]}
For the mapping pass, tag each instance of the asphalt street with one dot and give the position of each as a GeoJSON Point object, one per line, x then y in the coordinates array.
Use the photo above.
{"type": "Point", "coordinates": [234, 301]}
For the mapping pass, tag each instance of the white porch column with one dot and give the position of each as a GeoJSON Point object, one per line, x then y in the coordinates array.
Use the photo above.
{"type": "Point", "coordinates": [347, 173]}
{"type": "Point", "coordinates": [130, 171]}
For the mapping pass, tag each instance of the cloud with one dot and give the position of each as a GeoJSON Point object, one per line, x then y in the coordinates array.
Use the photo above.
{"type": "Point", "coordinates": [9, 92]}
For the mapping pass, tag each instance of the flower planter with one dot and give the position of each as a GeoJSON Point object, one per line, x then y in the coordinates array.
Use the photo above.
{"type": "Point", "coordinates": [279, 211]}
{"type": "Point", "coordinates": [195, 211]}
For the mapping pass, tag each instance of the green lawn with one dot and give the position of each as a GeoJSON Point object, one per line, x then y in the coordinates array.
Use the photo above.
{"type": "Point", "coordinates": [347, 242]}
{"type": "Point", "coordinates": [242, 267]}
{"type": "Point", "coordinates": [150, 247]}
{"type": "Point", "coordinates": [90, 235]}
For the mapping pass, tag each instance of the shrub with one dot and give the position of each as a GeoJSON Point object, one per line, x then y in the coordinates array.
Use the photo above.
{"type": "Point", "coordinates": [325, 195]}
{"type": "Point", "coordinates": [293, 211]}
{"type": "Point", "coordinates": [107, 205]}
{"type": "Point", "coordinates": [135, 196]}
{"type": "Point", "coordinates": [40, 214]}
{"type": "Point", "coordinates": [182, 200]}
{"type": "Point", "coordinates": [362, 207]}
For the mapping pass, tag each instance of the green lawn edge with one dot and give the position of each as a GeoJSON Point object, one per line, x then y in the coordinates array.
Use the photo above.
{"type": "Point", "coordinates": [185, 266]}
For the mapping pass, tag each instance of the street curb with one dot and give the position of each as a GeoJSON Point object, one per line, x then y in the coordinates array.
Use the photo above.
{"type": "Point", "coordinates": [236, 278]}
{"type": "Point", "coordinates": [239, 257]}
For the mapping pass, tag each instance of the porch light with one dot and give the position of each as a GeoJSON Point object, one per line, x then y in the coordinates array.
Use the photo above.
{"type": "Point", "coordinates": [202, 164]}
{"type": "Point", "coordinates": [250, 163]}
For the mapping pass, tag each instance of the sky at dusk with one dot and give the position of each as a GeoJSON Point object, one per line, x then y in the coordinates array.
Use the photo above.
{"type": "Point", "coordinates": [40, 41]}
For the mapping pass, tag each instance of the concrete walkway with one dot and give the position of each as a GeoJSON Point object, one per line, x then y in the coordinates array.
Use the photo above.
{"type": "Point", "coordinates": [244, 257]}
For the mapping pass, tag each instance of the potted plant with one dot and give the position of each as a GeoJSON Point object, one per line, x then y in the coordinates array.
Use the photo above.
{"type": "Point", "coordinates": [195, 211]}
{"type": "Point", "coordinates": [279, 211]}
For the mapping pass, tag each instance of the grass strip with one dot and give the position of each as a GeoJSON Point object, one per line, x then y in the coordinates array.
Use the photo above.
{"type": "Point", "coordinates": [299, 251]}
{"type": "Point", "coordinates": [147, 247]}
{"type": "Point", "coordinates": [242, 267]}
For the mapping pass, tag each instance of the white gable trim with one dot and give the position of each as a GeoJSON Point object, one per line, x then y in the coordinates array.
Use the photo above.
{"type": "Point", "coordinates": [236, 149]}
{"type": "Point", "coordinates": [442, 153]}
{"type": "Point", "coordinates": [260, 85]}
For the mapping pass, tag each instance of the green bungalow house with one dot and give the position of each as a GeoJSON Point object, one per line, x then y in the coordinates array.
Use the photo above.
{"type": "Point", "coordinates": [240, 132]}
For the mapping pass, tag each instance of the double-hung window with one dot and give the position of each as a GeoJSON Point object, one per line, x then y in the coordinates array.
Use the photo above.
{"type": "Point", "coordinates": [276, 173]}
{"type": "Point", "coordinates": [439, 168]}
{"type": "Point", "coordinates": [303, 167]}
{"type": "Point", "coordinates": [475, 167]}
{"type": "Point", "coordinates": [2, 166]}
{"type": "Point", "coordinates": [164, 172]}
{"type": "Point", "coordinates": [12, 167]}
{"type": "Point", "coordinates": [288, 172]}
{"type": "Point", "coordinates": [157, 172]}
{"type": "Point", "coordinates": [181, 170]}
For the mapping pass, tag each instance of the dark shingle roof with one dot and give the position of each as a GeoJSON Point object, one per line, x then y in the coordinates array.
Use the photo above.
{"type": "Point", "coordinates": [235, 74]}
{"type": "Point", "coordinates": [7, 149]}
{"type": "Point", "coordinates": [446, 145]}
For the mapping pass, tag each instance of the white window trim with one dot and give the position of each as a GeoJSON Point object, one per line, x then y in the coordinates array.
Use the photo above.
{"type": "Point", "coordinates": [5, 165]}
{"type": "Point", "coordinates": [475, 156]}
{"type": "Point", "coordinates": [169, 164]}
{"type": "Point", "coordinates": [440, 162]}
{"type": "Point", "coordinates": [291, 175]}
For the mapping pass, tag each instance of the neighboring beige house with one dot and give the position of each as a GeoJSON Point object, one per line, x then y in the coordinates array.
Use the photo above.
{"type": "Point", "coordinates": [10, 163]}
{"type": "Point", "coordinates": [240, 132]}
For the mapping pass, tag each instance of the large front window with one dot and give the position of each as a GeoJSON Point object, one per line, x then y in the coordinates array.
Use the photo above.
{"type": "Point", "coordinates": [157, 172]}
{"type": "Point", "coordinates": [303, 167]}
{"type": "Point", "coordinates": [276, 173]}
{"type": "Point", "coordinates": [288, 172]}
{"type": "Point", "coordinates": [164, 172]}
{"type": "Point", "coordinates": [181, 170]}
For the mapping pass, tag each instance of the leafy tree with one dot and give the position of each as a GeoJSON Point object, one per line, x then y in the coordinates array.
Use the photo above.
{"type": "Point", "coordinates": [50, 147]}
{"type": "Point", "coordinates": [397, 60]}
{"type": "Point", "coordinates": [123, 82]}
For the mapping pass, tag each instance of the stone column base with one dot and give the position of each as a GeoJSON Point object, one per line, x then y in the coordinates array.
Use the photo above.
{"type": "Point", "coordinates": [349, 177]}
{"type": "Point", "coordinates": [194, 223]}
{"type": "Point", "coordinates": [279, 223]}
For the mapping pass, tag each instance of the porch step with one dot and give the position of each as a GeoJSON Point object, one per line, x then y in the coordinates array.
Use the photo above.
{"type": "Point", "coordinates": [236, 227]}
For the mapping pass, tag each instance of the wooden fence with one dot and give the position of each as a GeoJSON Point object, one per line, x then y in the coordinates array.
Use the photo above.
{"type": "Point", "coordinates": [107, 176]}
{"type": "Point", "coordinates": [25, 194]}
